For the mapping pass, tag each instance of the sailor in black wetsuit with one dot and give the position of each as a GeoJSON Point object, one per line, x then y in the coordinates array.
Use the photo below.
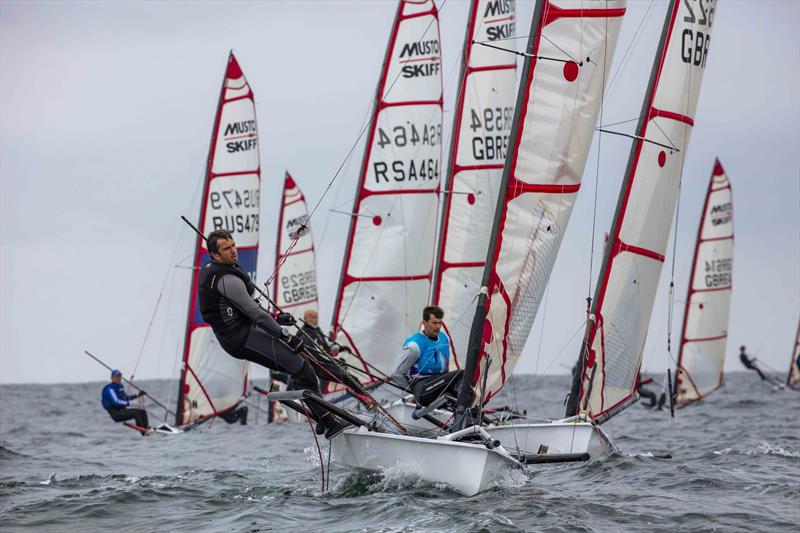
{"type": "Point", "coordinates": [318, 346]}
{"type": "Point", "coordinates": [650, 395]}
{"type": "Point", "coordinates": [246, 331]}
{"type": "Point", "coordinates": [751, 363]}
{"type": "Point", "coordinates": [117, 402]}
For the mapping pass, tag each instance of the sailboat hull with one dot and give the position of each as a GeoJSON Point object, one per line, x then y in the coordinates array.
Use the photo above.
{"type": "Point", "coordinates": [521, 439]}
{"type": "Point", "coordinates": [466, 467]}
{"type": "Point", "coordinates": [554, 437]}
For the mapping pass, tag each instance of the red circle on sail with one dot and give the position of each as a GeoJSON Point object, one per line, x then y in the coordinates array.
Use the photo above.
{"type": "Point", "coordinates": [377, 220]}
{"type": "Point", "coordinates": [702, 306]}
{"type": "Point", "coordinates": [488, 332]}
{"type": "Point", "coordinates": [471, 199]}
{"type": "Point", "coordinates": [570, 71]}
{"type": "Point", "coordinates": [662, 158]}
{"type": "Point", "coordinates": [186, 388]}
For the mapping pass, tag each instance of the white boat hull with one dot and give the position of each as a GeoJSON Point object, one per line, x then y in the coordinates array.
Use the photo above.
{"type": "Point", "coordinates": [468, 468]}
{"type": "Point", "coordinates": [522, 438]}
{"type": "Point", "coordinates": [554, 437]}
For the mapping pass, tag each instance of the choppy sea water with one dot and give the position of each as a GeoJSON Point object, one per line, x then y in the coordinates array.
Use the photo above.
{"type": "Point", "coordinates": [65, 466]}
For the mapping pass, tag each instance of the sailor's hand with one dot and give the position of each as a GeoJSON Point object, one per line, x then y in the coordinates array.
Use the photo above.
{"type": "Point", "coordinates": [142, 394]}
{"type": "Point", "coordinates": [285, 319]}
{"type": "Point", "coordinates": [295, 343]}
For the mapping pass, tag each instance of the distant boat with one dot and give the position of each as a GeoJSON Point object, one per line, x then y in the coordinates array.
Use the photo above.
{"type": "Point", "coordinates": [294, 288]}
{"type": "Point", "coordinates": [211, 381]}
{"type": "Point", "coordinates": [793, 379]}
{"type": "Point", "coordinates": [705, 323]}
{"type": "Point", "coordinates": [295, 284]}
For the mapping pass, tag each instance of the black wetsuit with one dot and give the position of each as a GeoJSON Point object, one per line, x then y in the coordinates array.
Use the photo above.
{"type": "Point", "coordinates": [246, 331]}
{"type": "Point", "coordinates": [750, 363]}
{"type": "Point", "coordinates": [236, 415]}
{"type": "Point", "coordinates": [327, 370]}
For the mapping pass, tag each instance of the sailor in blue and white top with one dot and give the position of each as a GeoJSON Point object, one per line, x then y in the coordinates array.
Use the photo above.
{"type": "Point", "coordinates": [422, 366]}
{"type": "Point", "coordinates": [116, 401]}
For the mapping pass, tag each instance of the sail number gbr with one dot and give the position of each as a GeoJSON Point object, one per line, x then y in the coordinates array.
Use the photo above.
{"type": "Point", "coordinates": [718, 273]}
{"type": "Point", "coordinates": [490, 128]}
{"type": "Point", "coordinates": [694, 43]}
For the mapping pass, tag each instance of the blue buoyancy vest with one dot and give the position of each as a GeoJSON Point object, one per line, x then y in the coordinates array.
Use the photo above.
{"type": "Point", "coordinates": [434, 354]}
{"type": "Point", "coordinates": [114, 395]}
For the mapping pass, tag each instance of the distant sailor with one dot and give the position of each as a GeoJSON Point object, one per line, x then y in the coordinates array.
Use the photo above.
{"type": "Point", "coordinates": [117, 403]}
{"type": "Point", "coordinates": [751, 363]}
{"type": "Point", "coordinates": [423, 363]}
{"type": "Point", "coordinates": [246, 331]}
{"type": "Point", "coordinates": [650, 395]}
{"type": "Point", "coordinates": [319, 347]}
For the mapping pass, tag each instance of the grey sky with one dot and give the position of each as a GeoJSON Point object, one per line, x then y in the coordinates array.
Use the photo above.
{"type": "Point", "coordinates": [106, 112]}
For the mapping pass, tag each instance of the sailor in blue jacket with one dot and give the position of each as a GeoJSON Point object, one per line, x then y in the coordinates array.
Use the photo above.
{"type": "Point", "coordinates": [117, 402]}
{"type": "Point", "coordinates": [423, 363]}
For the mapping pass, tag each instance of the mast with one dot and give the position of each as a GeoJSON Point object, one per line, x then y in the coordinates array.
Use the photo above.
{"type": "Point", "coordinates": [705, 324]}
{"type": "Point", "coordinates": [295, 285]}
{"type": "Point", "coordinates": [386, 271]}
{"type": "Point", "coordinates": [211, 381]}
{"type": "Point", "coordinates": [794, 367]}
{"type": "Point", "coordinates": [478, 145]}
{"type": "Point", "coordinates": [559, 98]}
{"type": "Point", "coordinates": [609, 362]}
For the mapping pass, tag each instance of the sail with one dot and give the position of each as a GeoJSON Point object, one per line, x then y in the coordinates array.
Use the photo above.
{"type": "Point", "coordinates": [794, 366]}
{"type": "Point", "coordinates": [386, 273]}
{"type": "Point", "coordinates": [295, 287]}
{"type": "Point", "coordinates": [211, 380]}
{"type": "Point", "coordinates": [569, 50]}
{"type": "Point", "coordinates": [623, 302]}
{"type": "Point", "coordinates": [705, 324]}
{"type": "Point", "coordinates": [484, 111]}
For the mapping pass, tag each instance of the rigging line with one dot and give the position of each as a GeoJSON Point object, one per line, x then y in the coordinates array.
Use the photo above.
{"type": "Point", "coordinates": [618, 123]}
{"type": "Point", "coordinates": [597, 177]}
{"type": "Point", "coordinates": [580, 327]}
{"type": "Point", "coordinates": [348, 213]}
{"type": "Point", "coordinates": [525, 54]}
{"type": "Point", "coordinates": [664, 133]}
{"type": "Point", "coordinates": [638, 138]}
{"type": "Point", "coordinates": [637, 35]}
{"type": "Point", "coordinates": [543, 36]}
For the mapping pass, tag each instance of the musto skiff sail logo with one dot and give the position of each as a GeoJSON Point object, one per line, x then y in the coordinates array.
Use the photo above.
{"type": "Point", "coordinates": [240, 136]}
{"type": "Point", "coordinates": [498, 20]}
{"type": "Point", "coordinates": [420, 59]}
{"type": "Point", "coordinates": [721, 214]}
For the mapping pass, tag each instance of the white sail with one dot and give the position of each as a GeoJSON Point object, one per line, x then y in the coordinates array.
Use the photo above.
{"type": "Point", "coordinates": [569, 50]}
{"type": "Point", "coordinates": [211, 380]}
{"type": "Point", "coordinates": [387, 266]}
{"type": "Point", "coordinates": [295, 285]}
{"type": "Point", "coordinates": [634, 256]}
{"type": "Point", "coordinates": [484, 112]}
{"type": "Point", "coordinates": [705, 325]}
{"type": "Point", "coordinates": [794, 365]}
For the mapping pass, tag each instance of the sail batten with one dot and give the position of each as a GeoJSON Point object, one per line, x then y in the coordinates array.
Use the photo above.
{"type": "Point", "coordinates": [211, 381]}
{"type": "Point", "coordinates": [610, 359]}
{"type": "Point", "coordinates": [556, 111]}
{"type": "Point", "coordinates": [701, 357]}
{"type": "Point", "coordinates": [386, 271]}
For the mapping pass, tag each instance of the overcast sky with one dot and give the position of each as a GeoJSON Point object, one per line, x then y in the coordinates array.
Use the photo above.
{"type": "Point", "coordinates": [106, 111]}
